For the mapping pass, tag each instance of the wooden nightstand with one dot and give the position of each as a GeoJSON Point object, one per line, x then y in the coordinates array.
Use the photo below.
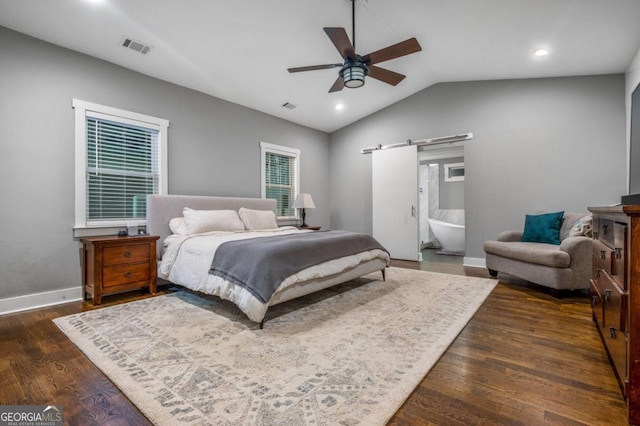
{"type": "Point", "coordinates": [115, 264]}
{"type": "Point", "coordinates": [310, 228]}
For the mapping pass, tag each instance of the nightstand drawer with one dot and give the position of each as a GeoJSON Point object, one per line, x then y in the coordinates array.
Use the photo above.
{"type": "Point", "coordinates": [124, 274]}
{"type": "Point", "coordinates": [130, 253]}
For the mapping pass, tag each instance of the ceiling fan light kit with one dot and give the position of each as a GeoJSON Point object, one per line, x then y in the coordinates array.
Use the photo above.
{"type": "Point", "coordinates": [353, 73]}
{"type": "Point", "coordinates": [355, 67]}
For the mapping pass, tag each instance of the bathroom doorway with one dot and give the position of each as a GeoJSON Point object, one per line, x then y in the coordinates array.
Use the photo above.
{"type": "Point", "coordinates": [441, 199]}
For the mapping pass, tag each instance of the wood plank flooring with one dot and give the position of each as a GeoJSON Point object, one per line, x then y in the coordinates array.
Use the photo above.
{"type": "Point", "coordinates": [524, 359]}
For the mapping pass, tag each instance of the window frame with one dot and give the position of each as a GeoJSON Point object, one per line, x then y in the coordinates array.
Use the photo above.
{"type": "Point", "coordinates": [84, 109]}
{"type": "Point", "coordinates": [265, 148]}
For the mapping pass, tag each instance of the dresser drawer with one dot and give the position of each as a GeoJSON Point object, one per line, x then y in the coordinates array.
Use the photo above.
{"type": "Point", "coordinates": [130, 253]}
{"type": "Point", "coordinates": [605, 231]}
{"type": "Point", "coordinates": [125, 274]}
{"type": "Point", "coordinates": [603, 257]}
{"type": "Point", "coordinates": [619, 253]}
{"type": "Point", "coordinates": [596, 303]}
{"type": "Point", "coordinates": [617, 344]}
{"type": "Point", "coordinates": [614, 300]}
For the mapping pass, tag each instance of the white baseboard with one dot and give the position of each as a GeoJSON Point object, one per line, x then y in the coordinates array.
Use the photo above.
{"type": "Point", "coordinates": [39, 300]}
{"type": "Point", "coordinates": [474, 262]}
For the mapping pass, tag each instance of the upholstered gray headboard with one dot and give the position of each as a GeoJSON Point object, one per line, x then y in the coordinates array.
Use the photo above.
{"type": "Point", "coordinates": [162, 208]}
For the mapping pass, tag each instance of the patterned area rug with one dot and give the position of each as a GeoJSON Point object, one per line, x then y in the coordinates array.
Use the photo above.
{"type": "Point", "coordinates": [349, 355]}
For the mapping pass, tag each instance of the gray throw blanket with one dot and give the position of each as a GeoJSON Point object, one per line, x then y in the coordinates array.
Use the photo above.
{"type": "Point", "coordinates": [261, 264]}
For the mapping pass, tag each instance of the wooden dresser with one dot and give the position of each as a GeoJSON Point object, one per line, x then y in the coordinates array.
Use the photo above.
{"type": "Point", "coordinates": [615, 295]}
{"type": "Point", "coordinates": [115, 264]}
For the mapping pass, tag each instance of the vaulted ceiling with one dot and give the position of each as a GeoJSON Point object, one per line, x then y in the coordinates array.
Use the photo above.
{"type": "Point", "coordinates": [239, 50]}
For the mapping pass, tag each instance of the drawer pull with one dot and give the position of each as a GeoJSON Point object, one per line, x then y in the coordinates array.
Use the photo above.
{"type": "Point", "coordinates": [603, 255]}
{"type": "Point", "coordinates": [607, 294]}
{"type": "Point", "coordinates": [595, 235]}
{"type": "Point", "coordinates": [604, 229]}
{"type": "Point", "coordinates": [127, 274]}
{"type": "Point", "coordinates": [597, 273]}
{"type": "Point", "coordinates": [618, 251]}
{"type": "Point", "coordinates": [127, 254]}
{"type": "Point", "coordinates": [612, 332]}
{"type": "Point", "coordinates": [594, 300]}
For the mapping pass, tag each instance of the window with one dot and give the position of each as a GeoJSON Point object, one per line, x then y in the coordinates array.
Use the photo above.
{"type": "Point", "coordinates": [280, 177]}
{"type": "Point", "coordinates": [454, 172]}
{"type": "Point", "coordinates": [120, 159]}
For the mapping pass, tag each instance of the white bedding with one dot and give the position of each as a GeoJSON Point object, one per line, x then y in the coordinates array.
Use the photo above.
{"type": "Point", "coordinates": [187, 258]}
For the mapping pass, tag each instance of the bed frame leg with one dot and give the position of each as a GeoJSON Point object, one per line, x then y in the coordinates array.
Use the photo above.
{"type": "Point", "coordinates": [384, 274]}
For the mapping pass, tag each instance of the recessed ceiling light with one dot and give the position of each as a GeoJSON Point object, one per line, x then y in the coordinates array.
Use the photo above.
{"type": "Point", "coordinates": [339, 107]}
{"type": "Point", "coordinates": [540, 52]}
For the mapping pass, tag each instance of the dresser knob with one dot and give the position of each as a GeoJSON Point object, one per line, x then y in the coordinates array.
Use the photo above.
{"type": "Point", "coordinates": [127, 254]}
{"type": "Point", "coordinates": [127, 274]}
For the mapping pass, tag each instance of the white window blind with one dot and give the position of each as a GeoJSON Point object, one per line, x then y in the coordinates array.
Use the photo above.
{"type": "Point", "coordinates": [122, 169]}
{"type": "Point", "coordinates": [121, 157]}
{"type": "Point", "coordinates": [280, 171]}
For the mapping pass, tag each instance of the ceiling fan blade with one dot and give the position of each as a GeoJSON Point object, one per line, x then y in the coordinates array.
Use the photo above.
{"type": "Point", "coordinates": [337, 85]}
{"type": "Point", "coordinates": [341, 41]}
{"type": "Point", "coordinates": [397, 50]}
{"type": "Point", "coordinates": [314, 67]}
{"type": "Point", "coordinates": [385, 75]}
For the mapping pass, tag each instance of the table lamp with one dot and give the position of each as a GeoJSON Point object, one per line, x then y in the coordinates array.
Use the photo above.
{"type": "Point", "coordinates": [304, 201]}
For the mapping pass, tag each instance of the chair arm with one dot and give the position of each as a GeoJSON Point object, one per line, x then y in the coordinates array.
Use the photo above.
{"type": "Point", "coordinates": [577, 247]}
{"type": "Point", "coordinates": [510, 236]}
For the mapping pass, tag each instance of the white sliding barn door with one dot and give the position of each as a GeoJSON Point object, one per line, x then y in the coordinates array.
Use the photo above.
{"type": "Point", "coordinates": [395, 201]}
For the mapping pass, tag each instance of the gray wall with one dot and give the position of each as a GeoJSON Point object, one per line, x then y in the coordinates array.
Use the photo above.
{"type": "Point", "coordinates": [213, 150]}
{"type": "Point", "coordinates": [451, 193]}
{"type": "Point", "coordinates": [539, 144]}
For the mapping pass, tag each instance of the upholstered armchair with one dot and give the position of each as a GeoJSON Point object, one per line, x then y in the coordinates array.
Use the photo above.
{"type": "Point", "coordinates": [566, 265]}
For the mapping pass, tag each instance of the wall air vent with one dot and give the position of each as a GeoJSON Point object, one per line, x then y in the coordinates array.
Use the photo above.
{"type": "Point", "coordinates": [138, 46]}
{"type": "Point", "coordinates": [288, 105]}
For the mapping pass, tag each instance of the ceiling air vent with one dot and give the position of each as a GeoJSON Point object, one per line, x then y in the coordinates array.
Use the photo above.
{"type": "Point", "coordinates": [135, 45]}
{"type": "Point", "coordinates": [288, 105]}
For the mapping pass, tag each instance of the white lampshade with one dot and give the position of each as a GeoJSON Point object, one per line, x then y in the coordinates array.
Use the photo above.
{"type": "Point", "coordinates": [304, 201]}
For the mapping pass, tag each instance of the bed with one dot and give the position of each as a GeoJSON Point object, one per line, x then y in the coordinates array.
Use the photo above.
{"type": "Point", "coordinates": [189, 258]}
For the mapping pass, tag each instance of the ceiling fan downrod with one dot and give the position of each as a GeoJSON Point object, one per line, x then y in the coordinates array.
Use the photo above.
{"type": "Point", "coordinates": [353, 23]}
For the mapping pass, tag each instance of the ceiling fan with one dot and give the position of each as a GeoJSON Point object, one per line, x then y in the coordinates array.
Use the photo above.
{"type": "Point", "coordinates": [355, 67]}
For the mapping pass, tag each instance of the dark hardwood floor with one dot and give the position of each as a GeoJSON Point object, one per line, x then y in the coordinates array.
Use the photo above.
{"type": "Point", "coordinates": [525, 358]}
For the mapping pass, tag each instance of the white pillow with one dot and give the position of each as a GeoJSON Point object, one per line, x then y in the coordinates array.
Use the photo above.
{"type": "Point", "coordinates": [255, 220]}
{"type": "Point", "coordinates": [582, 228]}
{"type": "Point", "coordinates": [199, 221]}
{"type": "Point", "coordinates": [178, 226]}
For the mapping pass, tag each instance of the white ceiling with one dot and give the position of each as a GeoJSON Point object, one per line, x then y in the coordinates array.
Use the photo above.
{"type": "Point", "coordinates": [239, 50]}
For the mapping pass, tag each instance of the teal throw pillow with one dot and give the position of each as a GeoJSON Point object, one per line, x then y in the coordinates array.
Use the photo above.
{"type": "Point", "coordinates": [543, 228]}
